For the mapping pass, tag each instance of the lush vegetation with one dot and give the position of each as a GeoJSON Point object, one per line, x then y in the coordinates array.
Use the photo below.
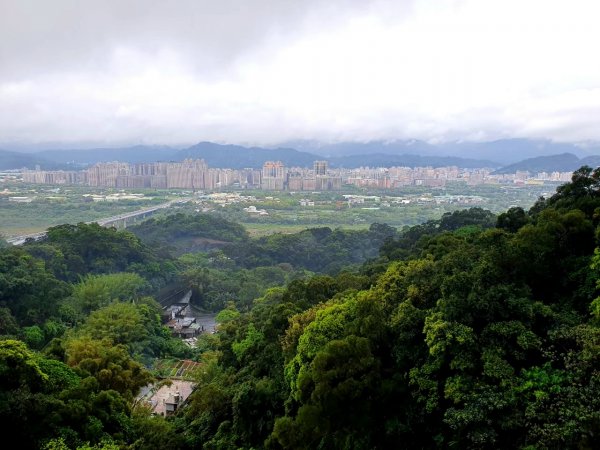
{"type": "Point", "coordinates": [57, 205]}
{"type": "Point", "coordinates": [237, 268]}
{"type": "Point", "coordinates": [405, 206]}
{"type": "Point", "coordinates": [186, 233]}
{"type": "Point", "coordinates": [469, 331]}
{"type": "Point", "coordinates": [52, 206]}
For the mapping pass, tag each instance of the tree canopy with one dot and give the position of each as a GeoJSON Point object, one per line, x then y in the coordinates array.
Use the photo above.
{"type": "Point", "coordinates": [471, 331]}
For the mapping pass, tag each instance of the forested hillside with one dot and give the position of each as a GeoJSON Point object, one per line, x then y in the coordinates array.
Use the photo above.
{"type": "Point", "coordinates": [472, 331]}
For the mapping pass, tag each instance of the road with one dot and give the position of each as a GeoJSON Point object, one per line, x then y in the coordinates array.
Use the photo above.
{"type": "Point", "coordinates": [107, 221]}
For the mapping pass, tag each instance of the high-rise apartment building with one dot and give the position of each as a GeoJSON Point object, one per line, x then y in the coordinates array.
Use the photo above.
{"type": "Point", "coordinates": [273, 176]}
{"type": "Point", "coordinates": [190, 174]}
{"type": "Point", "coordinates": [320, 167]}
{"type": "Point", "coordinates": [105, 174]}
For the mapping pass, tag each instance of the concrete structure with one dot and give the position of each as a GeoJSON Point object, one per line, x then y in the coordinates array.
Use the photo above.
{"type": "Point", "coordinates": [167, 399]}
{"type": "Point", "coordinates": [320, 167]}
{"type": "Point", "coordinates": [273, 176]}
{"type": "Point", "coordinates": [196, 175]}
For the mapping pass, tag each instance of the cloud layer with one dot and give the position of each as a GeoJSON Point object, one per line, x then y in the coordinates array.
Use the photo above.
{"type": "Point", "coordinates": [267, 71]}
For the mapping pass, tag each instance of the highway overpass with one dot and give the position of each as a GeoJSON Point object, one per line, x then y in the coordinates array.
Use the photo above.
{"type": "Point", "coordinates": [118, 221]}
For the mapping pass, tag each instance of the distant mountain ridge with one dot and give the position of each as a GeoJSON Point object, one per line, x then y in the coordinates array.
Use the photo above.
{"type": "Point", "coordinates": [410, 147]}
{"type": "Point", "coordinates": [233, 156]}
{"type": "Point", "coordinates": [564, 162]}
{"type": "Point", "coordinates": [384, 160]}
{"type": "Point", "coordinates": [238, 157]}
{"type": "Point", "coordinates": [15, 160]}
{"type": "Point", "coordinates": [504, 151]}
{"type": "Point", "coordinates": [134, 154]}
{"type": "Point", "coordinates": [410, 153]}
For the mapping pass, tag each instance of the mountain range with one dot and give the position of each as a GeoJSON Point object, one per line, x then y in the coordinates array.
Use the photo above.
{"type": "Point", "coordinates": [134, 154]}
{"type": "Point", "coordinates": [348, 155]}
{"type": "Point", "coordinates": [218, 155]}
{"type": "Point", "coordinates": [564, 162]}
{"type": "Point", "coordinates": [16, 160]}
{"type": "Point", "coordinates": [503, 151]}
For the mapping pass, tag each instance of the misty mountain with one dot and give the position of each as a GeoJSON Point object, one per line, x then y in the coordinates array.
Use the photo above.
{"type": "Point", "coordinates": [238, 157]}
{"type": "Point", "coordinates": [134, 154]}
{"type": "Point", "coordinates": [505, 151]}
{"type": "Point", "coordinates": [564, 162]}
{"type": "Point", "coordinates": [383, 160]}
{"type": "Point", "coordinates": [508, 151]}
{"type": "Point", "coordinates": [411, 153]}
{"type": "Point", "coordinates": [14, 160]}
{"type": "Point", "coordinates": [411, 147]}
{"type": "Point", "coordinates": [592, 161]}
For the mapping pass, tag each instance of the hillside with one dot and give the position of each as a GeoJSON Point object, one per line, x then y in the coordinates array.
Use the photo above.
{"type": "Point", "coordinates": [384, 160]}
{"type": "Point", "coordinates": [15, 160]}
{"type": "Point", "coordinates": [134, 154]}
{"type": "Point", "coordinates": [238, 157]}
{"type": "Point", "coordinates": [504, 151]}
{"type": "Point", "coordinates": [411, 153]}
{"type": "Point", "coordinates": [471, 331]}
{"type": "Point", "coordinates": [565, 162]}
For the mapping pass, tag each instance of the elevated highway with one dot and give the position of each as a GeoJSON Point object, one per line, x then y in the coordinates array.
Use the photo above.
{"type": "Point", "coordinates": [118, 221]}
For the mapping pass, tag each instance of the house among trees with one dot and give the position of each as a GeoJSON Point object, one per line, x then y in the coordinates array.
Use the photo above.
{"type": "Point", "coordinates": [179, 321]}
{"type": "Point", "coordinates": [168, 399]}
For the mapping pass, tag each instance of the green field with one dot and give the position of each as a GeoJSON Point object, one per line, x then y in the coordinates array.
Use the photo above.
{"type": "Point", "coordinates": [286, 214]}
{"type": "Point", "coordinates": [52, 206]}
{"type": "Point", "coordinates": [55, 205]}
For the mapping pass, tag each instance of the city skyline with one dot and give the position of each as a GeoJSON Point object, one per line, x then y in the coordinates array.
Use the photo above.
{"type": "Point", "coordinates": [275, 176]}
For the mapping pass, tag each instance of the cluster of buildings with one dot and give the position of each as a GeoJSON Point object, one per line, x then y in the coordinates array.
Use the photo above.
{"type": "Point", "coordinates": [184, 323]}
{"type": "Point", "coordinates": [192, 174]}
{"type": "Point", "coordinates": [274, 176]}
{"type": "Point", "coordinates": [396, 177]}
{"type": "Point", "coordinates": [189, 174]}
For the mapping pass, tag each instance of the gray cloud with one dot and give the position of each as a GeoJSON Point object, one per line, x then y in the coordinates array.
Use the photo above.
{"type": "Point", "coordinates": [41, 36]}
{"type": "Point", "coordinates": [262, 71]}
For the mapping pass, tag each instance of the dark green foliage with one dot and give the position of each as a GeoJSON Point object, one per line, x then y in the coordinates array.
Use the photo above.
{"type": "Point", "coordinates": [8, 324]}
{"type": "Point", "coordinates": [582, 193]}
{"type": "Point", "coordinates": [513, 219]}
{"type": "Point", "coordinates": [134, 325]}
{"type": "Point", "coordinates": [466, 332]}
{"type": "Point", "coordinates": [73, 251]}
{"type": "Point", "coordinates": [110, 365]}
{"type": "Point", "coordinates": [479, 337]}
{"type": "Point", "coordinates": [407, 244]}
{"type": "Point", "coordinates": [82, 394]}
{"type": "Point", "coordinates": [467, 217]}
{"type": "Point", "coordinates": [95, 249]}
{"type": "Point", "coordinates": [27, 289]}
{"type": "Point", "coordinates": [18, 366]}
{"type": "Point", "coordinates": [41, 398]}
{"type": "Point", "coordinates": [186, 233]}
{"type": "Point", "coordinates": [96, 291]}
{"type": "Point", "coordinates": [315, 249]}
{"type": "Point", "coordinates": [215, 287]}
{"type": "Point", "coordinates": [149, 433]}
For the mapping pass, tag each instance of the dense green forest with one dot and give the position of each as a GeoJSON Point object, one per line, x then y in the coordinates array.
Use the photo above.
{"type": "Point", "coordinates": [472, 331]}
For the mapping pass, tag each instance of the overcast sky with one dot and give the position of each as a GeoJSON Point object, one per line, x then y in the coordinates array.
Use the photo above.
{"type": "Point", "coordinates": [267, 71]}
